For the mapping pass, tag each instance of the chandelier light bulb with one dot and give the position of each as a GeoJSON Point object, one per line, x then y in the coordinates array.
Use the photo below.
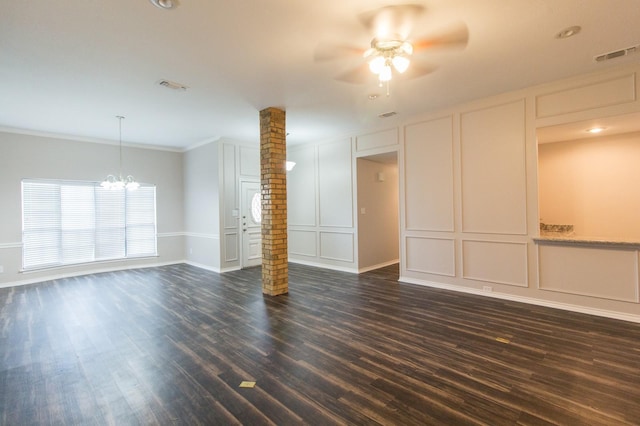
{"type": "Point", "coordinates": [400, 63]}
{"type": "Point", "coordinates": [376, 64]}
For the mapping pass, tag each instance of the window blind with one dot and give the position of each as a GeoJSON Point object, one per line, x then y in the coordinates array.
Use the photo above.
{"type": "Point", "coordinates": [65, 223]}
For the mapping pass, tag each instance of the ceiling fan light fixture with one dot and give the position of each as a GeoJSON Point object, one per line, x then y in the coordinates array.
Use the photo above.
{"type": "Point", "coordinates": [376, 64]}
{"type": "Point", "coordinates": [400, 63]}
{"type": "Point", "coordinates": [407, 48]}
{"type": "Point", "coordinates": [385, 74]}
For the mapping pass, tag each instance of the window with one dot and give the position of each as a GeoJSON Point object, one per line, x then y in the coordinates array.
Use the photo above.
{"type": "Point", "coordinates": [256, 208]}
{"type": "Point", "coordinates": [66, 223]}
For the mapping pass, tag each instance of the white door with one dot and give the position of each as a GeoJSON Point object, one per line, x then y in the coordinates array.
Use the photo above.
{"type": "Point", "coordinates": [250, 219]}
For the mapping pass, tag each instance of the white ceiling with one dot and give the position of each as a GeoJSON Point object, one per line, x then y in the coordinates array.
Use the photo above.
{"type": "Point", "coordinates": [69, 67]}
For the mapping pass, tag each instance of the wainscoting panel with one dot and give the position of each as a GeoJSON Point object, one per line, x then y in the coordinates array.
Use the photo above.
{"type": "Point", "coordinates": [431, 255]}
{"type": "Point", "coordinates": [335, 184]}
{"type": "Point", "coordinates": [494, 190]}
{"type": "Point", "coordinates": [605, 273]}
{"type": "Point", "coordinates": [249, 161]}
{"type": "Point", "coordinates": [303, 243]}
{"type": "Point", "coordinates": [301, 187]}
{"type": "Point", "coordinates": [429, 175]}
{"type": "Point", "coordinates": [229, 185]}
{"type": "Point", "coordinates": [231, 246]}
{"type": "Point", "coordinates": [495, 262]}
{"type": "Point", "coordinates": [337, 246]}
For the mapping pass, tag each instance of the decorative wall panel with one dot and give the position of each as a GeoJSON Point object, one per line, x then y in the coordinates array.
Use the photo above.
{"type": "Point", "coordinates": [605, 273]}
{"type": "Point", "coordinates": [377, 140]}
{"type": "Point", "coordinates": [431, 255]}
{"type": "Point", "coordinates": [610, 92]}
{"type": "Point", "coordinates": [429, 175]}
{"type": "Point", "coordinates": [337, 246]}
{"type": "Point", "coordinates": [496, 262]}
{"type": "Point", "coordinates": [335, 184]}
{"type": "Point", "coordinates": [494, 191]}
{"type": "Point", "coordinates": [302, 243]}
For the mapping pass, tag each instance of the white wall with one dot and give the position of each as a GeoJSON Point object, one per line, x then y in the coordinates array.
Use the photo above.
{"type": "Point", "coordinates": [202, 206]}
{"type": "Point", "coordinates": [237, 161]}
{"type": "Point", "coordinates": [28, 156]}
{"type": "Point", "coordinates": [320, 199]}
{"type": "Point", "coordinates": [469, 199]}
{"type": "Point", "coordinates": [592, 184]}
{"type": "Point", "coordinates": [377, 214]}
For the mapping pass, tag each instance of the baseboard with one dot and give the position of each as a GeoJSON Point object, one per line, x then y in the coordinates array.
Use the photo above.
{"type": "Point", "coordinates": [51, 277]}
{"type": "Point", "coordinates": [378, 266]}
{"type": "Point", "coordinates": [324, 266]}
{"type": "Point", "coordinates": [202, 266]}
{"type": "Point", "coordinates": [529, 300]}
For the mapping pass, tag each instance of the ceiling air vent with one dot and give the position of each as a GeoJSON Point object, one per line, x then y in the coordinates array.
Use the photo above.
{"type": "Point", "coordinates": [172, 85]}
{"type": "Point", "coordinates": [387, 114]}
{"type": "Point", "coordinates": [617, 53]}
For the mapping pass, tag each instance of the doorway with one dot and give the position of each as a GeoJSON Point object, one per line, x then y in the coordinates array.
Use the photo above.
{"type": "Point", "coordinates": [378, 211]}
{"type": "Point", "coordinates": [250, 222]}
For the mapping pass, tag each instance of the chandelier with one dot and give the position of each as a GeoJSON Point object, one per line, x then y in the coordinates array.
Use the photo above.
{"type": "Point", "coordinates": [385, 55]}
{"type": "Point", "coordinates": [113, 182]}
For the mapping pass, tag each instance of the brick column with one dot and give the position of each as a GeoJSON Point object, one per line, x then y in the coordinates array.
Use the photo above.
{"type": "Point", "coordinates": [273, 183]}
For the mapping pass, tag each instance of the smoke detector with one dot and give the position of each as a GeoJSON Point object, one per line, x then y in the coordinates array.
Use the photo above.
{"type": "Point", "coordinates": [165, 4]}
{"type": "Point", "coordinates": [617, 53]}
{"type": "Point", "coordinates": [569, 32]}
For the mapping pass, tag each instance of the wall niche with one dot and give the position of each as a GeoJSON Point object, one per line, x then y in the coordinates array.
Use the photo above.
{"type": "Point", "coordinates": [589, 180]}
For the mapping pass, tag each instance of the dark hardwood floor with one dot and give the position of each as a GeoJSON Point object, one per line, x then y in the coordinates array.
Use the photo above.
{"type": "Point", "coordinates": [171, 345]}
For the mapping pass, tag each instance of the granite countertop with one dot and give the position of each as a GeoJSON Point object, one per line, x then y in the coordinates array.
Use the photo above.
{"type": "Point", "coordinates": [573, 240]}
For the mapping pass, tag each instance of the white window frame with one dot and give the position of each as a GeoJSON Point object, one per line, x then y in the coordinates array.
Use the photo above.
{"type": "Point", "coordinates": [77, 222]}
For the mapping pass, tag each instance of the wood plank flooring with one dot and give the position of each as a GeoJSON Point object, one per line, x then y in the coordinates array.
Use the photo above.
{"type": "Point", "coordinates": [170, 345]}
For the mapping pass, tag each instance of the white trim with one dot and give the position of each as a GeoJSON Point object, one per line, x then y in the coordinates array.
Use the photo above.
{"type": "Point", "coordinates": [10, 245]}
{"type": "Point", "coordinates": [169, 234]}
{"type": "Point", "coordinates": [201, 143]}
{"type": "Point", "coordinates": [324, 266]}
{"type": "Point", "coordinates": [87, 139]}
{"type": "Point", "coordinates": [203, 266]}
{"type": "Point", "coordinates": [378, 266]}
{"type": "Point", "coordinates": [200, 235]}
{"type": "Point", "coordinates": [529, 300]}
{"type": "Point", "coordinates": [85, 272]}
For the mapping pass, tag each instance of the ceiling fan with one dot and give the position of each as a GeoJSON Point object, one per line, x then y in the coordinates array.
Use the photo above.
{"type": "Point", "coordinates": [391, 50]}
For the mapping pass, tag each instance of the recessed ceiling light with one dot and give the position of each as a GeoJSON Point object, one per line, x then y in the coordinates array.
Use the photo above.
{"type": "Point", "coordinates": [569, 32]}
{"type": "Point", "coordinates": [165, 4]}
{"type": "Point", "coordinates": [373, 96]}
{"type": "Point", "coordinates": [595, 130]}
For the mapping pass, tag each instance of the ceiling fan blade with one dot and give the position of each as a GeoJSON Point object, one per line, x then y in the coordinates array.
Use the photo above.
{"type": "Point", "coordinates": [329, 52]}
{"type": "Point", "coordinates": [357, 75]}
{"type": "Point", "coordinates": [454, 35]}
{"type": "Point", "coordinates": [415, 71]}
{"type": "Point", "coordinates": [389, 20]}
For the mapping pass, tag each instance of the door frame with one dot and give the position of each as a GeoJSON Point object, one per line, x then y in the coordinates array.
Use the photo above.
{"type": "Point", "coordinates": [241, 212]}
